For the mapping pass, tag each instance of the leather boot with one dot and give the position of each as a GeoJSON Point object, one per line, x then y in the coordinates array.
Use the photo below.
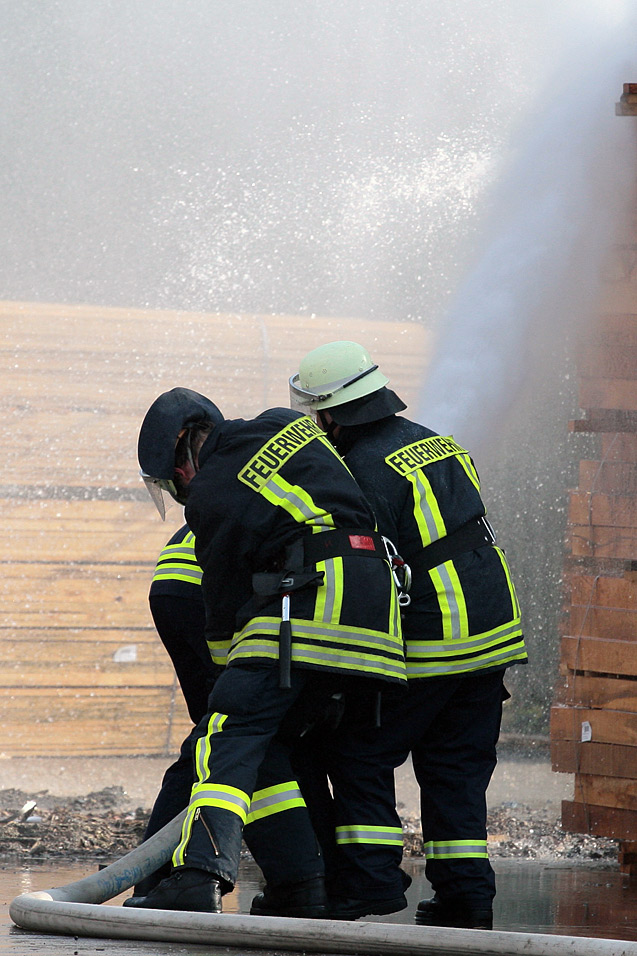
{"type": "Point", "coordinates": [185, 889]}
{"type": "Point", "coordinates": [464, 914]}
{"type": "Point", "coordinates": [354, 909]}
{"type": "Point", "coordinates": [307, 900]}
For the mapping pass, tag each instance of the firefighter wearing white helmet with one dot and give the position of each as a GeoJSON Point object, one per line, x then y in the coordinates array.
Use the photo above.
{"type": "Point", "coordinates": [462, 629]}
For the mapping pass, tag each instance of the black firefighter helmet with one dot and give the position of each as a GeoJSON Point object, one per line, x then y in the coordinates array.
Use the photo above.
{"type": "Point", "coordinates": [166, 420]}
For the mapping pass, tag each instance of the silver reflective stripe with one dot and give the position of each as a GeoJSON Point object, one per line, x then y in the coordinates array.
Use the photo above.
{"type": "Point", "coordinates": [277, 492]}
{"type": "Point", "coordinates": [426, 670]}
{"type": "Point", "coordinates": [425, 508]}
{"type": "Point", "coordinates": [336, 659]}
{"type": "Point", "coordinates": [455, 849]}
{"type": "Point", "coordinates": [171, 570]}
{"type": "Point", "coordinates": [377, 835]}
{"type": "Point", "coordinates": [310, 630]}
{"type": "Point", "coordinates": [329, 582]}
{"type": "Point", "coordinates": [227, 798]}
{"type": "Point", "coordinates": [284, 796]}
{"type": "Point", "coordinates": [452, 602]}
{"type": "Point", "coordinates": [493, 639]}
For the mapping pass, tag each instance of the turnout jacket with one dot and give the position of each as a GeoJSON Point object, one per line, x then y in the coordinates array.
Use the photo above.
{"type": "Point", "coordinates": [263, 485]}
{"type": "Point", "coordinates": [464, 615]}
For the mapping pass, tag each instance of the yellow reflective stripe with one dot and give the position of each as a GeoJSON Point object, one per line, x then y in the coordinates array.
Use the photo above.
{"type": "Point", "coordinates": [277, 799]}
{"type": "Point", "coordinates": [456, 849]}
{"type": "Point", "coordinates": [178, 572]}
{"type": "Point", "coordinates": [221, 796]}
{"type": "Point", "coordinates": [178, 856]}
{"type": "Point", "coordinates": [296, 501]}
{"type": "Point", "coordinates": [514, 598]}
{"type": "Point", "coordinates": [202, 747]}
{"type": "Point", "coordinates": [395, 623]}
{"type": "Point", "coordinates": [209, 795]}
{"type": "Point", "coordinates": [219, 651]}
{"type": "Point", "coordinates": [329, 594]}
{"type": "Point", "coordinates": [427, 512]}
{"type": "Point", "coordinates": [451, 600]}
{"type": "Point", "coordinates": [484, 641]}
{"type": "Point", "coordinates": [359, 637]}
{"type": "Point", "coordinates": [506, 648]}
{"type": "Point", "coordinates": [357, 833]}
{"type": "Point", "coordinates": [469, 467]}
{"type": "Point", "coordinates": [178, 562]}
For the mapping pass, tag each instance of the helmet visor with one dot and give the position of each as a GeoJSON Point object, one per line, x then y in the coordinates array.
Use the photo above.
{"type": "Point", "coordinates": [156, 488]}
{"type": "Point", "coordinates": [301, 399]}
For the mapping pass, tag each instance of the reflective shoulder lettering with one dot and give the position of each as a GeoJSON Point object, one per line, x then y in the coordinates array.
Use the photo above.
{"type": "Point", "coordinates": [422, 453]}
{"type": "Point", "coordinates": [276, 451]}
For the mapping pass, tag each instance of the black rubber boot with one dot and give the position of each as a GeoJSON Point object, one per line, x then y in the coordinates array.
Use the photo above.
{"type": "Point", "coordinates": [185, 889]}
{"type": "Point", "coordinates": [354, 909]}
{"type": "Point", "coordinates": [464, 914]}
{"type": "Point", "coordinates": [306, 900]}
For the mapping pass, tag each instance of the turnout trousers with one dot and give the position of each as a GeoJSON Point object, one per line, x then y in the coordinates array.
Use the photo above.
{"type": "Point", "coordinates": [450, 725]}
{"type": "Point", "coordinates": [243, 776]}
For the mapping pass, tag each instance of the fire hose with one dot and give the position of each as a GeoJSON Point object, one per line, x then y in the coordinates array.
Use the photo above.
{"type": "Point", "coordinates": [74, 910]}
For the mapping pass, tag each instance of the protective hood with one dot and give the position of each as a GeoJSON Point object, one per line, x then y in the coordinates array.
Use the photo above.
{"type": "Point", "coordinates": [166, 417]}
{"type": "Point", "coordinates": [370, 408]}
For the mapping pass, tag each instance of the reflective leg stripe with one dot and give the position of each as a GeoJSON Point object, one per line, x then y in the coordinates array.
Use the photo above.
{"type": "Point", "coordinates": [388, 836]}
{"type": "Point", "coordinates": [453, 607]}
{"type": "Point", "coordinates": [271, 800]}
{"type": "Point", "coordinates": [209, 795]}
{"type": "Point", "coordinates": [202, 747]}
{"type": "Point", "coordinates": [221, 796]}
{"type": "Point", "coordinates": [456, 849]}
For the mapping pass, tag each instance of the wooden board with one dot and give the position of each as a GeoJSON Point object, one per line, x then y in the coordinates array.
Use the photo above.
{"type": "Point", "coordinates": [610, 693]}
{"type": "Point", "coordinates": [615, 792]}
{"type": "Point", "coordinates": [602, 542]}
{"type": "Point", "coordinates": [599, 821]}
{"type": "Point", "coordinates": [605, 622]}
{"type": "Point", "coordinates": [601, 590]}
{"type": "Point", "coordinates": [599, 656]}
{"type": "Point", "coordinates": [617, 511]}
{"type": "Point", "coordinates": [619, 448]}
{"type": "Point", "coordinates": [607, 726]}
{"type": "Point", "coordinates": [608, 477]}
{"type": "Point", "coordinates": [611, 760]}
{"type": "Point", "coordinates": [608, 393]}
{"type": "Point", "coordinates": [101, 721]}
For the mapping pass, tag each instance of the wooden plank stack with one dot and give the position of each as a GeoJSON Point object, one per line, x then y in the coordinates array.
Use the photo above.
{"type": "Point", "coordinates": [83, 671]}
{"type": "Point", "coordinates": [594, 717]}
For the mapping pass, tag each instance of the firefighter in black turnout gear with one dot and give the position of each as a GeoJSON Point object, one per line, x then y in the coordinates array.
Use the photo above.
{"type": "Point", "coordinates": [300, 604]}
{"type": "Point", "coordinates": [293, 860]}
{"type": "Point", "coordinates": [462, 630]}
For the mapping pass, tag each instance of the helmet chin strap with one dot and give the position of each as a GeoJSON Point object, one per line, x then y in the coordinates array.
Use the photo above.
{"type": "Point", "coordinates": [329, 427]}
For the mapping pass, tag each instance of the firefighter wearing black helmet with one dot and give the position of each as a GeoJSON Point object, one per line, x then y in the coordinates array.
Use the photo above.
{"type": "Point", "coordinates": [462, 629]}
{"type": "Point", "coordinates": [299, 599]}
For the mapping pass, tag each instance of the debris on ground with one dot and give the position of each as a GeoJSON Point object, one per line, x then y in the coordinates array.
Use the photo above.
{"type": "Point", "coordinates": [103, 826]}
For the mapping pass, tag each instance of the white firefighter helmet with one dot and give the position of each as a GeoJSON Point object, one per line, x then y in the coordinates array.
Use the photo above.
{"type": "Point", "coordinates": [333, 374]}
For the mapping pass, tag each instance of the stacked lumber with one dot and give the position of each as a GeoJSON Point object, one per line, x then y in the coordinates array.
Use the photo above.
{"type": "Point", "coordinates": [83, 671]}
{"type": "Point", "coordinates": [594, 717]}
